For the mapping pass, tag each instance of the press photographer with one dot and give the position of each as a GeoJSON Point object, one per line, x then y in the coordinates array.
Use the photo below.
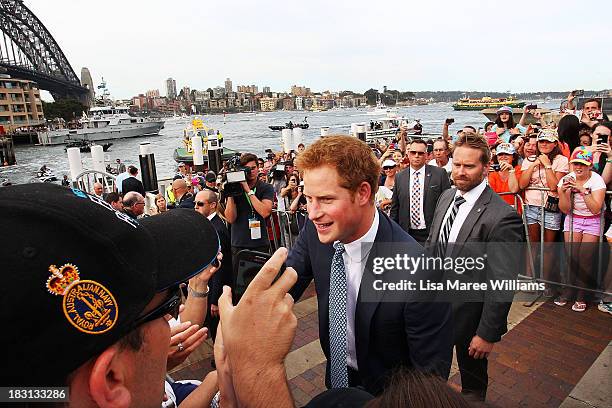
{"type": "Point", "coordinates": [248, 209]}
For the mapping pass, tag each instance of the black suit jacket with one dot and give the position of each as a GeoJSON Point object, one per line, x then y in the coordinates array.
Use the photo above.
{"type": "Point", "coordinates": [494, 223]}
{"type": "Point", "coordinates": [132, 184]}
{"type": "Point", "coordinates": [436, 182]}
{"type": "Point", "coordinates": [388, 334]}
{"type": "Point", "coordinates": [224, 275]}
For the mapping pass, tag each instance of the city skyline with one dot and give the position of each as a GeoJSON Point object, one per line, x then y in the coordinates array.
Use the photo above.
{"type": "Point", "coordinates": [332, 46]}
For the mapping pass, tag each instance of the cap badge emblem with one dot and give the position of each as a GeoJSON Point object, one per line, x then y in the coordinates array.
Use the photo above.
{"type": "Point", "coordinates": [87, 304]}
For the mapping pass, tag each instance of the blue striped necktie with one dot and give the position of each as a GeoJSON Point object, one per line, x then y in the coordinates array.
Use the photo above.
{"type": "Point", "coordinates": [448, 225]}
{"type": "Point", "coordinates": [337, 320]}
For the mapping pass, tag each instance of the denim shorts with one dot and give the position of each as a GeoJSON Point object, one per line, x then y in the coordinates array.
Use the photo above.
{"type": "Point", "coordinates": [590, 225]}
{"type": "Point", "coordinates": [552, 221]}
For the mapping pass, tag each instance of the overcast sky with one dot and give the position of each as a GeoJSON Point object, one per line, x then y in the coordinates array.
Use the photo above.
{"type": "Point", "coordinates": [407, 45]}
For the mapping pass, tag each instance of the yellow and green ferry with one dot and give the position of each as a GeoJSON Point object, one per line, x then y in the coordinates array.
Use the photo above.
{"type": "Point", "coordinates": [487, 103]}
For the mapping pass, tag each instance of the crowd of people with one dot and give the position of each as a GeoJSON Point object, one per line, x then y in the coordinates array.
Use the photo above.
{"type": "Point", "coordinates": [170, 271]}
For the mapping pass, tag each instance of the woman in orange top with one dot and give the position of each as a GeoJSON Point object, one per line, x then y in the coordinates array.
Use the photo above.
{"type": "Point", "coordinates": [506, 173]}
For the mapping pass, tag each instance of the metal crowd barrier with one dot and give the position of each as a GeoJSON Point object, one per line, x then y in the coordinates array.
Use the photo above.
{"type": "Point", "coordinates": [86, 180]}
{"type": "Point", "coordinates": [538, 274]}
{"type": "Point", "coordinates": [280, 222]}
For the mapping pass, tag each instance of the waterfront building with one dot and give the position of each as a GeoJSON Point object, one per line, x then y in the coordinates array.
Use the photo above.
{"type": "Point", "coordinates": [201, 96]}
{"type": "Point", "coordinates": [299, 90]}
{"type": "Point", "coordinates": [288, 104]}
{"type": "Point", "coordinates": [268, 104]}
{"type": "Point", "coordinates": [186, 93]}
{"type": "Point", "coordinates": [139, 102]}
{"type": "Point", "coordinates": [218, 92]}
{"type": "Point", "coordinates": [299, 103]}
{"type": "Point", "coordinates": [153, 93]}
{"type": "Point", "coordinates": [20, 103]}
{"type": "Point", "coordinates": [248, 89]}
{"type": "Point", "coordinates": [228, 85]}
{"type": "Point", "coordinates": [170, 88]}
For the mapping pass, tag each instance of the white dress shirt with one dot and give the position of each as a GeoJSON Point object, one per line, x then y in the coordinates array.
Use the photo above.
{"type": "Point", "coordinates": [211, 216]}
{"type": "Point", "coordinates": [354, 265]}
{"type": "Point", "coordinates": [421, 172]}
{"type": "Point", "coordinates": [470, 199]}
{"type": "Point", "coordinates": [448, 167]}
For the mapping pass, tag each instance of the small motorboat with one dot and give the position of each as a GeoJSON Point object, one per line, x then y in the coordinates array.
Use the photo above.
{"type": "Point", "coordinates": [85, 146]}
{"type": "Point", "coordinates": [46, 176]}
{"type": "Point", "coordinates": [290, 125]}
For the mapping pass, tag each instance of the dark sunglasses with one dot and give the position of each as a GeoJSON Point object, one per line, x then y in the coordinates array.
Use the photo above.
{"type": "Point", "coordinates": [388, 167]}
{"type": "Point", "coordinates": [200, 203]}
{"type": "Point", "coordinates": [170, 306]}
{"type": "Point", "coordinates": [416, 153]}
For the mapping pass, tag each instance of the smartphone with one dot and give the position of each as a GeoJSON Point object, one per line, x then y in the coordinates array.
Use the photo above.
{"type": "Point", "coordinates": [531, 106]}
{"type": "Point", "coordinates": [450, 121]}
{"type": "Point", "coordinates": [578, 92]}
{"type": "Point", "coordinates": [248, 263]}
{"type": "Point", "coordinates": [491, 137]}
{"type": "Point", "coordinates": [602, 139]}
{"type": "Point", "coordinates": [597, 115]}
{"type": "Point", "coordinates": [429, 148]}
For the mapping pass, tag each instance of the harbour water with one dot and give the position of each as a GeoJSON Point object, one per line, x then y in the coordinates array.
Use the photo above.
{"type": "Point", "coordinates": [243, 132]}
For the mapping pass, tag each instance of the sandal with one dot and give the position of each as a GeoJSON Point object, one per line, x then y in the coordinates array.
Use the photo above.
{"type": "Point", "coordinates": [605, 307]}
{"type": "Point", "coordinates": [560, 301]}
{"type": "Point", "coordinates": [579, 306]}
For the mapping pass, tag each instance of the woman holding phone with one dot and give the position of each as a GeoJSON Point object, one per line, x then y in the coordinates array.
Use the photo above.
{"type": "Point", "coordinates": [504, 124]}
{"type": "Point", "coordinates": [543, 170]}
{"type": "Point", "coordinates": [581, 197]}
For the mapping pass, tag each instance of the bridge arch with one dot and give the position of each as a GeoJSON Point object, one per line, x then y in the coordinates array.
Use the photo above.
{"type": "Point", "coordinates": [29, 51]}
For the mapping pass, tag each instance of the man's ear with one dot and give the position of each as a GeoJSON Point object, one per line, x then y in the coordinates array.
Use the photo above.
{"type": "Point", "coordinates": [364, 193]}
{"type": "Point", "coordinates": [108, 379]}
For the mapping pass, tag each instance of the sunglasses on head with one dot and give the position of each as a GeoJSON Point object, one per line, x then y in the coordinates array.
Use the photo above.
{"type": "Point", "coordinates": [170, 306]}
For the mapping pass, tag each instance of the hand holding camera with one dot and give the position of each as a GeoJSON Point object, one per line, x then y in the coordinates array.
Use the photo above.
{"type": "Point", "coordinates": [503, 166]}
{"type": "Point", "coordinates": [569, 183]}
{"type": "Point", "coordinates": [544, 160]}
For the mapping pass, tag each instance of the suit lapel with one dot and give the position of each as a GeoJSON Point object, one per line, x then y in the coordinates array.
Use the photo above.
{"type": "Point", "coordinates": [475, 213]}
{"type": "Point", "coordinates": [408, 193]}
{"type": "Point", "coordinates": [426, 183]}
{"type": "Point", "coordinates": [445, 201]}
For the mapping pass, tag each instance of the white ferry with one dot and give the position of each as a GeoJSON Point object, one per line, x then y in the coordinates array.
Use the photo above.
{"type": "Point", "coordinates": [387, 126]}
{"type": "Point", "coordinates": [104, 123]}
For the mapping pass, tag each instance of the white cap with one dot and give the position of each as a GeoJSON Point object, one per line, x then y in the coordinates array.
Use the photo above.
{"type": "Point", "coordinates": [389, 163]}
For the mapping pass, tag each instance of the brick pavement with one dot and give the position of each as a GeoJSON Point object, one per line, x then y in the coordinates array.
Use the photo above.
{"type": "Point", "coordinates": [538, 363]}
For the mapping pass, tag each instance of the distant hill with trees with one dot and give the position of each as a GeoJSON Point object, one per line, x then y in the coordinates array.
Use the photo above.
{"type": "Point", "coordinates": [392, 96]}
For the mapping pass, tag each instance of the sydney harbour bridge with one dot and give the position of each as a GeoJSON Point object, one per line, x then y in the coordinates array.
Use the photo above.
{"type": "Point", "coordinates": [29, 51]}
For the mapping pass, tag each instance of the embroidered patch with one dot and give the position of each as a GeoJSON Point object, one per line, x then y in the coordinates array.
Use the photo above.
{"type": "Point", "coordinates": [87, 304]}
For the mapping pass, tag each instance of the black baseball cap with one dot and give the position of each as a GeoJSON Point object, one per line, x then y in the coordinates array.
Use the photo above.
{"type": "Point", "coordinates": [78, 274]}
{"type": "Point", "coordinates": [211, 177]}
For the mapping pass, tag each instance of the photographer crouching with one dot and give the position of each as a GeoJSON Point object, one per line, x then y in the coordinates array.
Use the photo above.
{"type": "Point", "coordinates": [248, 208]}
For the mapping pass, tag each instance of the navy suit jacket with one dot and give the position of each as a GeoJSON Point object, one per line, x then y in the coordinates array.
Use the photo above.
{"type": "Point", "coordinates": [387, 334]}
